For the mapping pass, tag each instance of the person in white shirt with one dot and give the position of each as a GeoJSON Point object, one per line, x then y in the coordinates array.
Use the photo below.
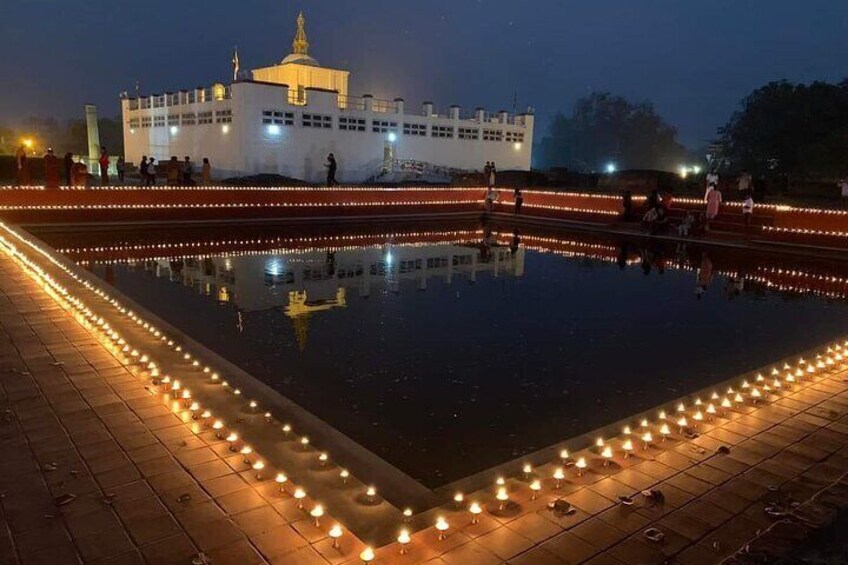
{"type": "Point", "coordinates": [748, 208]}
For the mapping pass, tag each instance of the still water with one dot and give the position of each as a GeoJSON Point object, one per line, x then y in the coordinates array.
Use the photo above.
{"type": "Point", "coordinates": [446, 354]}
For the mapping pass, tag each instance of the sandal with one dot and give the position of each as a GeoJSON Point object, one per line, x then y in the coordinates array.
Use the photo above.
{"type": "Point", "coordinates": [654, 535]}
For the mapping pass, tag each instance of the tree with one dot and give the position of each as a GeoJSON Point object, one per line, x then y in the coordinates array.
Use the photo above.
{"type": "Point", "coordinates": [790, 129]}
{"type": "Point", "coordinates": [604, 128]}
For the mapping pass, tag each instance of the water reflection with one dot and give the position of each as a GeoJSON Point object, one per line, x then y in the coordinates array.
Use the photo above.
{"type": "Point", "coordinates": [502, 340]}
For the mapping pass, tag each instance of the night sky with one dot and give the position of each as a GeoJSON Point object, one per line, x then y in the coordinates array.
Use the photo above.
{"type": "Point", "coordinates": [694, 60]}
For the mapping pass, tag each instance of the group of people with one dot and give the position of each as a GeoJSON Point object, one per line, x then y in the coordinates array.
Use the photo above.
{"type": "Point", "coordinates": [177, 173]}
{"type": "Point", "coordinates": [655, 217]}
{"type": "Point", "coordinates": [76, 173]}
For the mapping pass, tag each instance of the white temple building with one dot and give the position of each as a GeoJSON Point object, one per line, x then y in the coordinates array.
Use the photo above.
{"type": "Point", "coordinates": [288, 117]}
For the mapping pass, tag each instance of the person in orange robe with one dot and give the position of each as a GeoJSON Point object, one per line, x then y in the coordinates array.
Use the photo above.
{"type": "Point", "coordinates": [51, 170]}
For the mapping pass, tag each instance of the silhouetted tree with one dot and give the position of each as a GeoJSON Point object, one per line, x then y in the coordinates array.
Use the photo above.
{"type": "Point", "coordinates": [790, 129]}
{"type": "Point", "coordinates": [604, 128]}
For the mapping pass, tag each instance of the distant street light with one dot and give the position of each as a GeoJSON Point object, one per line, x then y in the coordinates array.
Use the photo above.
{"type": "Point", "coordinates": [611, 168]}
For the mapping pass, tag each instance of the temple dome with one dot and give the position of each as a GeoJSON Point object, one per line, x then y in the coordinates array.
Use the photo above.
{"type": "Point", "coordinates": [300, 59]}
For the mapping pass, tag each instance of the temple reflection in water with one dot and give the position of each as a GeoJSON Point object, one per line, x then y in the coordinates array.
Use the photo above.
{"type": "Point", "coordinates": [307, 283]}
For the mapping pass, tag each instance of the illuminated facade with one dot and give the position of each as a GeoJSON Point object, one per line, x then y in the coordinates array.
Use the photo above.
{"type": "Point", "coordinates": [290, 116]}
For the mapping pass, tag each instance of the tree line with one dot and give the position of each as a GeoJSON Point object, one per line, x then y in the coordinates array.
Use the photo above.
{"type": "Point", "coordinates": [781, 129]}
{"type": "Point", "coordinates": [62, 135]}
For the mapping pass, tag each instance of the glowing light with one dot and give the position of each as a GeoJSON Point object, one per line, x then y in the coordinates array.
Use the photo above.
{"type": "Point", "coordinates": [274, 129]}
{"type": "Point", "coordinates": [503, 497]}
{"type": "Point", "coordinates": [299, 495]}
{"type": "Point", "coordinates": [316, 514]}
{"type": "Point", "coordinates": [392, 137]}
{"type": "Point", "coordinates": [475, 510]}
{"type": "Point", "coordinates": [225, 128]}
{"type": "Point", "coordinates": [335, 533]}
{"type": "Point", "coordinates": [174, 130]}
{"type": "Point", "coordinates": [443, 526]}
{"type": "Point", "coordinates": [580, 464]}
{"type": "Point", "coordinates": [403, 539]}
{"type": "Point", "coordinates": [367, 555]}
{"type": "Point", "coordinates": [611, 168]}
{"type": "Point", "coordinates": [517, 146]}
{"type": "Point", "coordinates": [535, 487]}
{"type": "Point", "coordinates": [559, 476]}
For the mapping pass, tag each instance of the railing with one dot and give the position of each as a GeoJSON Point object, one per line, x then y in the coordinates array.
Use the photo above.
{"type": "Point", "coordinates": [384, 106]}
{"type": "Point", "coordinates": [355, 103]}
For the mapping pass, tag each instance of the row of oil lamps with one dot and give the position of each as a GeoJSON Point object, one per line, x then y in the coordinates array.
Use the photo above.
{"type": "Point", "coordinates": [761, 388]}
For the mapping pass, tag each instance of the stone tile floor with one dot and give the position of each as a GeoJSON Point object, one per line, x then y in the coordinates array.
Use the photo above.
{"type": "Point", "coordinates": [148, 489]}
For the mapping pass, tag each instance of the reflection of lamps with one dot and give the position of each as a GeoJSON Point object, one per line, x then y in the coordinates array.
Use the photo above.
{"type": "Point", "coordinates": [367, 555]}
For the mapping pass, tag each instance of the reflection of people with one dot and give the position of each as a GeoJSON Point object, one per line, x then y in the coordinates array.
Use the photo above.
{"type": "Point", "coordinates": [490, 198]}
{"type": "Point", "coordinates": [623, 252]}
{"type": "Point", "coordinates": [519, 200]}
{"type": "Point", "coordinates": [684, 229]}
{"type": "Point", "coordinates": [705, 275]}
{"type": "Point", "coordinates": [51, 170]}
{"type": "Point", "coordinates": [516, 241]}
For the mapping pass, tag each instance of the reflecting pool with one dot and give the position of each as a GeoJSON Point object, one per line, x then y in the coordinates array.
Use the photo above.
{"type": "Point", "coordinates": [447, 351]}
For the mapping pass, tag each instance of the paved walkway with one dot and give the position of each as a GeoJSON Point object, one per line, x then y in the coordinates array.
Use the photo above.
{"type": "Point", "coordinates": [149, 487]}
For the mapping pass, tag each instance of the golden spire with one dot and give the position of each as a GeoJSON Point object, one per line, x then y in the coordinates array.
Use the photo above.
{"type": "Point", "coordinates": [300, 46]}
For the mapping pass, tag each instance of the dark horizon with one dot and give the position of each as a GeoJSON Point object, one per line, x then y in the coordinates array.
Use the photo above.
{"type": "Point", "coordinates": [694, 62]}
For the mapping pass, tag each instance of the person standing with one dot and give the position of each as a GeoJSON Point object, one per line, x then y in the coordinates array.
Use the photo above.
{"type": "Point", "coordinates": [150, 179]}
{"type": "Point", "coordinates": [331, 170]}
{"type": "Point", "coordinates": [713, 205]}
{"type": "Point", "coordinates": [748, 208]}
{"type": "Point", "coordinates": [142, 170]}
{"type": "Point", "coordinates": [492, 172]}
{"type": "Point", "coordinates": [712, 179]}
{"type": "Point", "coordinates": [174, 171]}
{"type": "Point", "coordinates": [80, 174]}
{"type": "Point", "coordinates": [487, 171]}
{"type": "Point", "coordinates": [104, 166]}
{"type": "Point", "coordinates": [20, 165]}
{"type": "Point", "coordinates": [519, 200]}
{"type": "Point", "coordinates": [187, 171]}
{"type": "Point", "coordinates": [68, 161]}
{"type": "Point", "coordinates": [206, 172]}
{"type": "Point", "coordinates": [121, 167]}
{"type": "Point", "coordinates": [627, 205]}
{"type": "Point", "coordinates": [51, 170]}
